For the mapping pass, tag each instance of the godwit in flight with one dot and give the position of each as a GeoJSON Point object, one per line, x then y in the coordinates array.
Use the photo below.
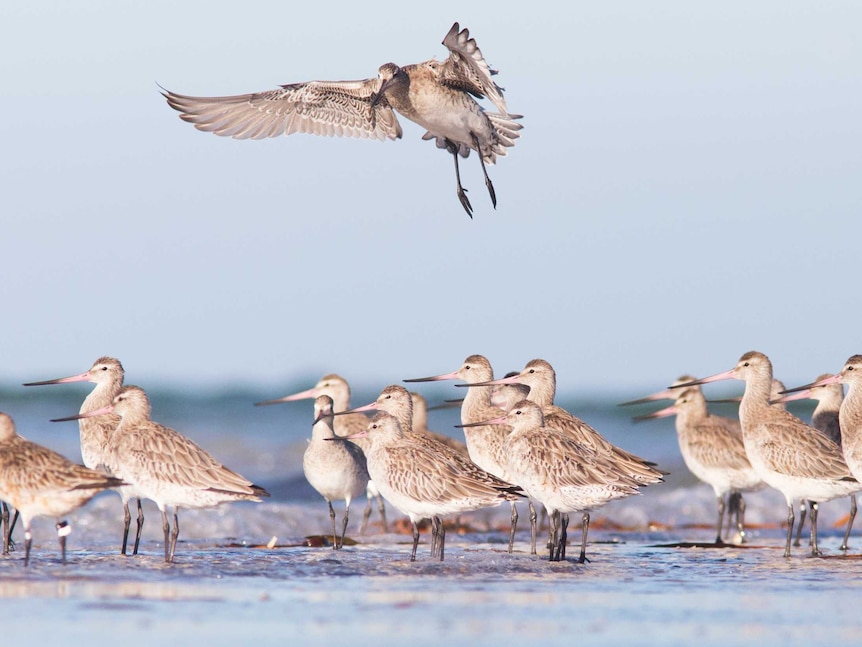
{"type": "Point", "coordinates": [437, 95]}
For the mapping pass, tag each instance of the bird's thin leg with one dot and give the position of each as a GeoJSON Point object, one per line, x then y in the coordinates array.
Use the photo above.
{"type": "Point", "coordinates": [332, 519]}
{"type": "Point", "coordinates": [365, 515]}
{"type": "Point", "coordinates": [344, 523]}
{"type": "Point", "coordinates": [844, 545]}
{"type": "Point", "coordinates": [554, 523]}
{"type": "Point", "coordinates": [585, 529]}
{"type": "Point", "coordinates": [6, 529]}
{"type": "Point", "coordinates": [28, 542]}
{"type": "Point", "coordinates": [514, 527]}
{"type": "Point", "coordinates": [564, 522]}
{"type": "Point", "coordinates": [441, 538]}
{"type": "Point", "coordinates": [166, 528]}
{"type": "Point", "coordinates": [485, 171]}
{"type": "Point", "coordinates": [803, 510]}
{"type": "Point", "coordinates": [415, 541]}
{"type": "Point", "coordinates": [815, 550]}
{"type": "Point", "coordinates": [434, 537]}
{"type": "Point", "coordinates": [382, 510]}
{"type": "Point", "coordinates": [740, 517]}
{"type": "Point", "coordinates": [127, 521]}
{"type": "Point", "coordinates": [721, 507]}
{"type": "Point", "coordinates": [63, 530]}
{"type": "Point", "coordinates": [8, 543]}
{"type": "Point", "coordinates": [140, 527]}
{"type": "Point", "coordinates": [175, 533]}
{"type": "Point", "coordinates": [462, 192]}
{"type": "Point", "coordinates": [533, 529]}
{"type": "Point", "coordinates": [790, 521]}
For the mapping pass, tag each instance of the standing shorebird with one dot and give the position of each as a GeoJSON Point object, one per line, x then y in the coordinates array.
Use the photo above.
{"type": "Point", "coordinates": [562, 473]}
{"type": "Point", "coordinates": [422, 483]}
{"type": "Point", "coordinates": [797, 460]}
{"type": "Point", "coordinates": [485, 443]}
{"type": "Point", "coordinates": [337, 388]}
{"type": "Point", "coordinates": [335, 470]}
{"type": "Point", "coordinates": [398, 402]}
{"type": "Point", "coordinates": [39, 482]}
{"type": "Point", "coordinates": [829, 393]}
{"type": "Point", "coordinates": [165, 466]}
{"type": "Point", "coordinates": [107, 374]}
{"type": "Point", "coordinates": [437, 95]}
{"type": "Point", "coordinates": [712, 449]}
{"type": "Point", "coordinates": [540, 377]}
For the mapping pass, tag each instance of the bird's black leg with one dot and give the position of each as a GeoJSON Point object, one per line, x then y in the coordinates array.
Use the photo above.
{"type": "Point", "coordinates": [462, 192]}
{"type": "Point", "coordinates": [721, 507]}
{"type": "Point", "coordinates": [140, 527]}
{"type": "Point", "coordinates": [63, 530]}
{"type": "Point", "coordinates": [415, 541]}
{"type": "Point", "coordinates": [585, 529]}
{"type": "Point", "coordinates": [844, 545]}
{"type": "Point", "coordinates": [514, 527]}
{"type": "Point", "coordinates": [484, 171]}
{"type": "Point", "coordinates": [803, 511]}
{"type": "Point", "coordinates": [127, 521]}
{"type": "Point", "coordinates": [533, 518]}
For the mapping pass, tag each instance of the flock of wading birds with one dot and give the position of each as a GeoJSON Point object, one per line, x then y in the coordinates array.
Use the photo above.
{"type": "Point", "coordinates": [519, 446]}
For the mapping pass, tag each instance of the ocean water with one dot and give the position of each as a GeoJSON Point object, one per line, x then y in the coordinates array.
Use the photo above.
{"type": "Point", "coordinates": [228, 587]}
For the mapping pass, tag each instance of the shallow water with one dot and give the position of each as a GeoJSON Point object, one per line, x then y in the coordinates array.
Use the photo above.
{"type": "Point", "coordinates": [631, 591]}
{"type": "Point", "coordinates": [226, 588]}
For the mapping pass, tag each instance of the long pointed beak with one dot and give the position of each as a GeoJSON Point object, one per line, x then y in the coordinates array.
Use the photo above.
{"type": "Point", "coordinates": [514, 379]}
{"type": "Point", "coordinates": [82, 377]}
{"type": "Point", "coordinates": [499, 420]}
{"type": "Point", "coordinates": [436, 378]}
{"type": "Point", "coordinates": [667, 394]}
{"type": "Point", "coordinates": [379, 94]}
{"type": "Point", "coordinates": [358, 434]}
{"type": "Point", "coordinates": [832, 379]}
{"type": "Point", "coordinates": [371, 406]}
{"type": "Point", "coordinates": [90, 414]}
{"type": "Point", "coordinates": [661, 413]}
{"type": "Point", "coordinates": [735, 400]}
{"type": "Point", "coordinates": [726, 375]}
{"type": "Point", "coordinates": [804, 394]}
{"type": "Point", "coordinates": [302, 395]}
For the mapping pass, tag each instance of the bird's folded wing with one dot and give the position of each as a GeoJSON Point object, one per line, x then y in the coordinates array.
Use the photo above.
{"type": "Point", "coordinates": [329, 108]}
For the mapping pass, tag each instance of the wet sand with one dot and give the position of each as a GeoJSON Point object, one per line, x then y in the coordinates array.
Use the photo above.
{"type": "Point", "coordinates": [631, 592]}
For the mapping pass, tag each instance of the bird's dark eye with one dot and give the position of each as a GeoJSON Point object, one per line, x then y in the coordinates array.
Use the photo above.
{"type": "Point", "coordinates": [746, 364]}
{"type": "Point", "coordinates": [532, 370]}
{"type": "Point", "coordinates": [849, 368]}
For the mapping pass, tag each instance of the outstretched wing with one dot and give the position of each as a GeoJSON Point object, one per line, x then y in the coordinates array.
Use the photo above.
{"type": "Point", "coordinates": [329, 108]}
{"type": "Point", "coordinates": [467, 69]}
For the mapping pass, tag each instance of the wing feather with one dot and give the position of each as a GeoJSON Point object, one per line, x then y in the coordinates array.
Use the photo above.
{"type": "Point", "coordinates": [467, 69]}
{"type": "Point", "coordinates": [327, 108]}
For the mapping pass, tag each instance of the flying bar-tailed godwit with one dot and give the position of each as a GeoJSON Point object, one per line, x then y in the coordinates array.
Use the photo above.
{"type": "Point", "coordinates": [437, 95]}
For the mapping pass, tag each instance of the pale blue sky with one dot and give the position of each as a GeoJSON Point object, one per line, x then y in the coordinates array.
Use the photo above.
{"type": "Point", "coordinates": [688, 187]}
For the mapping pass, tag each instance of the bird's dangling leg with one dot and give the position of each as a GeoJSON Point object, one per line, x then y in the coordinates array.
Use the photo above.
{"type": "Point", "coordinates": [484, 171]}
{"type": "Point", "coordinates": [462, 192]}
